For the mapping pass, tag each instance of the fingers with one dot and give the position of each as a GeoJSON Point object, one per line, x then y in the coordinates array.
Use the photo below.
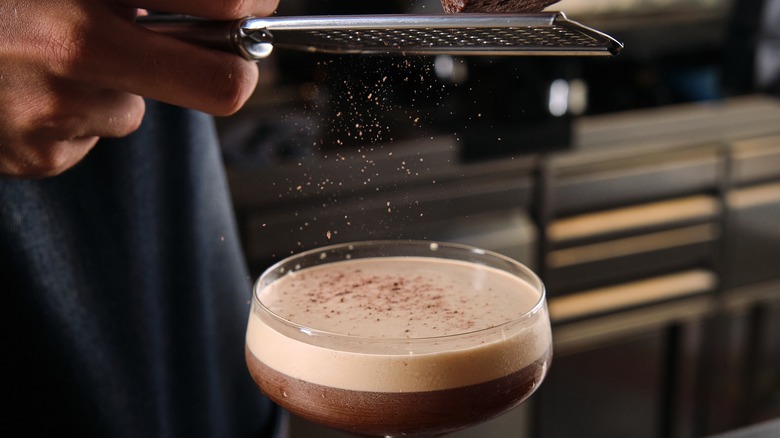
{"type": "Point", "coordinates": [72, 71]}
{"type": "Point", "coordinates": [41, 161]}
{"type": "Point", "coordinates": [182, 74]}
{"type": "Point", "coordinates": [75, 110]}
{"type": "Point", "coordinates": [114, 52]}
{"type": "Point", "coordinates": [61, 125]}
{"type": "Point", "coordinates": [214, 9]}
{"type": "Point", "coordinates": [156, 66]}
{"type": "Point", "coordinates": [111, 51]}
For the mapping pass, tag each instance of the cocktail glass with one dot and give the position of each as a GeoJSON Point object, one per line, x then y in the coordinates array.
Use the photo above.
{"type": "Point", "coordinates": [398, 338]}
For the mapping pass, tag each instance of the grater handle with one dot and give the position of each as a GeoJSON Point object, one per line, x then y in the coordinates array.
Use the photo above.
{"type": "Point", "coordinates": [229, 36]}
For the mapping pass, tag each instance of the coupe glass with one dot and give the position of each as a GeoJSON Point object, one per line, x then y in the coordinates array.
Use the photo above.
{"type": "Point", "coordinates": [398, 338]}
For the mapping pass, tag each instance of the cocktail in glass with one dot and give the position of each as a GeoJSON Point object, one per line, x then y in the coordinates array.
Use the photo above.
{"type": "Point", "coordinates": [392, 338]}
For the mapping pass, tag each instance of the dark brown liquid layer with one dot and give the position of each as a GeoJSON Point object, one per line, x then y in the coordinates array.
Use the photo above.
{"type": "Point", "coordinates": [391, 413]}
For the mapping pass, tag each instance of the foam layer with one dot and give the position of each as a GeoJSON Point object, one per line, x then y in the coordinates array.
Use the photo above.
{"type": "Point", "coordinates": [420, 299]}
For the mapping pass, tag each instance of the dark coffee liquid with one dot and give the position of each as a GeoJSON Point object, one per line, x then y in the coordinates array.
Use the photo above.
{"type": "Point", "coordinates": [396, 413]}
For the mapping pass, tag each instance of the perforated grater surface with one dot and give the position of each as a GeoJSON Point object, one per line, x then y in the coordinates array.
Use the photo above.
{"type": "Point", "coordinates": [539, 34]}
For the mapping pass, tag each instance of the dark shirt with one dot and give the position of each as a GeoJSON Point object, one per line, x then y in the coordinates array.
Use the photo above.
{"type": "Point", "coordinates": [125, 295]}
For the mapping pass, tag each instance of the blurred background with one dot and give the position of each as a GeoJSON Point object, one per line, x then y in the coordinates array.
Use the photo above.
{"type": "Point", "coordinates": [644, 189]}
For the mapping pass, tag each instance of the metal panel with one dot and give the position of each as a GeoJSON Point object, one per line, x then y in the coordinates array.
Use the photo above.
{"type": "Point", "coordinates": [753, 239]}
{"type": "Point", "coordinates": [755, 160]}
{"type": "Point", "coordinates": [604, 180]}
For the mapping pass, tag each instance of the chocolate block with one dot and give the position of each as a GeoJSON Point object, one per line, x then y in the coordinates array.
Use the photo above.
{"type": "Point", "coordinates": [495, 6]}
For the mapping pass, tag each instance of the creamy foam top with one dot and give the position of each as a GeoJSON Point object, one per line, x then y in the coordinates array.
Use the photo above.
{"type": "Point", "coordinates": [401, 297]}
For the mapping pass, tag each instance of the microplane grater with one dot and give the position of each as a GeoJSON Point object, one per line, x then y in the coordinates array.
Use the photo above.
{"type": "Point", "coordinates": [467, 34]}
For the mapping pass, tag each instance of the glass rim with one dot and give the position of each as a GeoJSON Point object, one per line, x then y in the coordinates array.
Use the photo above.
{"type": "Point", "coordinates": [310, 331]}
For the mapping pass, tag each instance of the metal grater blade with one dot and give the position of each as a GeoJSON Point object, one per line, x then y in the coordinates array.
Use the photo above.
{"type": "Point", "coordinates": [456, 34]}
{"type": "Point", "coordinates": [557, 40]}
{"type": "Point", "coordinates": [534, 34]}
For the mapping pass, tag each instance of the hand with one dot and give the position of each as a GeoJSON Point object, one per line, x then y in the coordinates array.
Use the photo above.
{"type": "Point", "coordinates": [72, 71]}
